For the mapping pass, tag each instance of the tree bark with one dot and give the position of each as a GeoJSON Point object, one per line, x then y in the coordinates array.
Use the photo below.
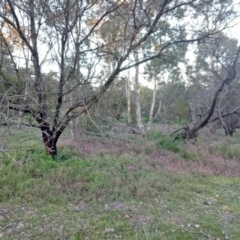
{"type": "Point", "coordinates": [128, 93]}
{"type": "Point", "coordinates": [192, 113]}
{"type": "Point", "coordinates": [150, 120]}
{"type": "Point", "coordinates": [73, 127]}
{"type": "Point", "coordinates": [159, 109]}
{"type": "Point", "coordinates": [50, 142]}
{"type": "Point", "coordinates": [137, 97]}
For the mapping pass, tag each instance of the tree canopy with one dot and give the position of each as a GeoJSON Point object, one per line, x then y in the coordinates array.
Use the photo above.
{"type": "Point", "coordinates": [78, 37]}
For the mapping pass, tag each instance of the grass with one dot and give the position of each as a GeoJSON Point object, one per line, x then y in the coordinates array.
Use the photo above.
{"type": "Point", "coordinates": [97, 189]}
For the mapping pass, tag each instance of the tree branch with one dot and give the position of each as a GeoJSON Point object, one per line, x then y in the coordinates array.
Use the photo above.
{"type": "Point", "coordinates": [231, 76]}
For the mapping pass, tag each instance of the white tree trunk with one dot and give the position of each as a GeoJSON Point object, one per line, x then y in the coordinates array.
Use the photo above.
{"type": "Point", "coordinates": [128, 94]}
{"type": "Point", "coordinates": [150, 120]}
{"type": "Point", "coordinates": [137, 97]}
{"type": "Point", "coordinates": [73, 127]}
{"type": "Point", "coordinates": [158, 111]}
{"type": "Point", "coordinates": [192, 114]}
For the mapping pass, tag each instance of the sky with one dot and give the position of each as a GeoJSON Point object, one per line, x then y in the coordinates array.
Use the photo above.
{"type": "Point", "coordinates": [231, 32]}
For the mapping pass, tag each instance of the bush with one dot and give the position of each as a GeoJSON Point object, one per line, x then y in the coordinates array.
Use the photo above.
{"type": "Point", "coordinates": [168, 144]}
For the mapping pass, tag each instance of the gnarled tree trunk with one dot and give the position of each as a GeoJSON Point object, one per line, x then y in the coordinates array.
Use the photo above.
{"type": "Point", "coordinates": [50, 142]}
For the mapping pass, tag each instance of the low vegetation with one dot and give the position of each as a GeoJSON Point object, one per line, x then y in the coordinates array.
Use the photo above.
{"type": "Point", "coordinates": [149, 188]}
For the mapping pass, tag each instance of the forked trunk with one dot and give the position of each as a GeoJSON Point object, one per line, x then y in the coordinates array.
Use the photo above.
{"type": "Point", "coordinates": [50, 142]}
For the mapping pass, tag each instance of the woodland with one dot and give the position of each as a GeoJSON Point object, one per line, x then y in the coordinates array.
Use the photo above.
{"type": "Point", "coordinates": [82, 63]}
{"type": "Point", "coordinates": [119, 119]}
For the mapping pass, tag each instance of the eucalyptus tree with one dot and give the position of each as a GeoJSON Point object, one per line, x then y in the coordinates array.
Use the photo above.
{"type": "Point", "coordinates": [60, 33]}
{"type": "Point", "coordinates": [214, 59]}
{"type": "Point", "coordinates": [174, 98]}
{"type": "Point", "coordinates": [164, 67]}
{"type": "Point", "coordinates": [216, 76]}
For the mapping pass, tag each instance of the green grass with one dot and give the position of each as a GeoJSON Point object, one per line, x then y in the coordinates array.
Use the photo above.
{"type": "Point", "coordinates": [111, 196]}
{"type": "Point", "coordinates": [167, 143]}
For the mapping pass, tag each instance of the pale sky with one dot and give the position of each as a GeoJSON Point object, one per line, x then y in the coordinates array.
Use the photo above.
{"type": "Point", "coordinates": [233, 32]}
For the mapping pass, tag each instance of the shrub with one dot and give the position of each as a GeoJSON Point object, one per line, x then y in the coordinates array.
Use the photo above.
{"type": "Point", "coordinates": [167, 143]}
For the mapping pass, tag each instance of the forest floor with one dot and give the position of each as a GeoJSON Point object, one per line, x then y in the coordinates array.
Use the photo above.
{"type": "Point", "coordinates": [102, 188]}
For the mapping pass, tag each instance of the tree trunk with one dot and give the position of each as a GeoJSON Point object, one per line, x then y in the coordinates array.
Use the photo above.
{"type": "Point", "coordinates": [192, 113]}
{"type": "Point", "coordinates": [150, 120]}
{"type": "Point", "coordinates": [50, 142]}
{"type": "Point", "coordinates": [159, 109]}
{"type": "Point", "coordinates": [191, 131]}
{"type": "Point", "coordinates": [73, 127]}
{"type": "Point", "coordinates": [137, 97]}
{"type": "Point", "coordinates": [128, 93]}
{"type": "Point", "coordinates": [229, 131]}
{"type": "Point", "coordinates": [20, 120]}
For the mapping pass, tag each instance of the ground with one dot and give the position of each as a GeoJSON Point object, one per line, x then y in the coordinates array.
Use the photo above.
{"type": "Point", "coordinates": [138, 189]}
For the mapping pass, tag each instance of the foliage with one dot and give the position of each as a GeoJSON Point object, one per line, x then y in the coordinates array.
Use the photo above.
{"type": "Point", "coordinates": [167, 143]}
{"type": "Point", "coordinates": [78, 39]}
{"type": "Point", "coordinates": [113, 104]}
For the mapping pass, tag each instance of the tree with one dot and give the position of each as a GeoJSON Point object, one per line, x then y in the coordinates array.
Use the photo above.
{"type": "Point", "coordinates": [220, 54]}
{"type": "Point", "coordinates": [168, 65]}
{"type": "Point", "coordinates": [217, 67]}
{"type": "Point", "coordinates": [174, 98]}
{"type": "Point", "coordinates": [64, 33]}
